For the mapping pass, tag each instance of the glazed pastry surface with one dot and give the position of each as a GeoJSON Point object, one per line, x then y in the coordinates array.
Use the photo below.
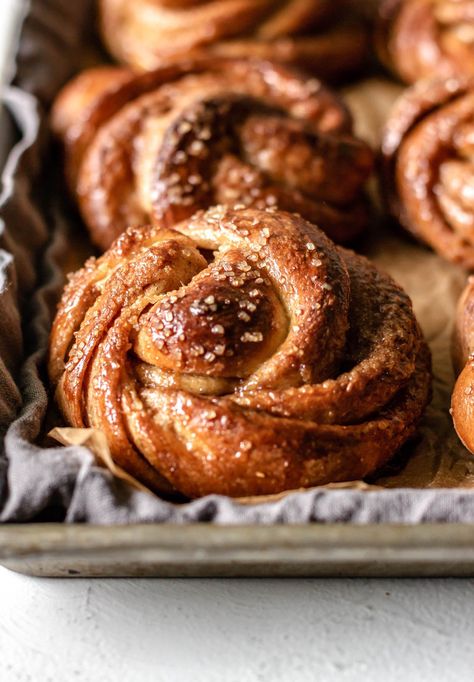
{"type": "Point", "coordinates": [147, 34]}
{"type": "Point", "coordinates": [161, 145]}
{"type": "Point", "coordinates": [427, 38]}
{"type": "Point", "coordinates": [462, 407]}
{"type": "Point", "coordinates": [241, 353]}
{"type": "Point", "coordinates": [428, 157]}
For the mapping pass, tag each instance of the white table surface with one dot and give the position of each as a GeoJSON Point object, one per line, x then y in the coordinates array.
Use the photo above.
{"type": "Point", "coordinates": [54, 630]}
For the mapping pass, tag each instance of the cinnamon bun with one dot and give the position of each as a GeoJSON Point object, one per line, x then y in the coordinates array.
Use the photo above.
{"type": "Point", "coordinates": [241, 353]}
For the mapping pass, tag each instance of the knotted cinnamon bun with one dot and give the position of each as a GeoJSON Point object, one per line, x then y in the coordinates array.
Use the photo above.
{"type": "Point", "coordinates": [462, 407]}
{"type": "Point", "coordinates": [242, 353]}
{"type": "Point", "coordinates": [147, 34]}
{"type": "Point", "coordinates": [428, 150]}
{"type": "Point", "coordinates": [423, 38]}
{"type": "Point", "coordinates": [159, 146]}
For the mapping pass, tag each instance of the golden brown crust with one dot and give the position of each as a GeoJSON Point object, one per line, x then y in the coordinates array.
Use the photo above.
{"type": "Point", "coordinates": [462, 405]}
{"type": "Point", "coordinates": [147, 34]}
{"type": "Point", "coordinates": [428, 165]}
{"type": "Point", "coordinates": [279, 362]}
{"type": "Point", "coordinates": [426, 38]}
{"type": "Point", "coordinates": [159, 146]}
{"type": "Point", "coordinates": [87, 101]}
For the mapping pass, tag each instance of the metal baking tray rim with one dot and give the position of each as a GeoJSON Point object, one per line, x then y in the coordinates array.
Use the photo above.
{"type": "Point", "coordinates": [200, 550]}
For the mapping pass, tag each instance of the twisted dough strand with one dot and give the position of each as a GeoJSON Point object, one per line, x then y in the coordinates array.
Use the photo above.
{"type": "Point", "coordinates": [160, 146]}
{"type": "Point", "coordinates": [147, 34]}
{"type": "Point", "coordinates": [426, 38]}
{"type": "Point", "coordinates": [462, 404]}
{"type": "Point", "coordinates": [242, 353]}
{"type": "Point", "coordinates": [428, 149]}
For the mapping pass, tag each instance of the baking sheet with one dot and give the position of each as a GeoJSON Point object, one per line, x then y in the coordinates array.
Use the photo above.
{"type": "Point", "coordinates": [210, 551]}
{"type": "Point", "coordinates": [332, 549]}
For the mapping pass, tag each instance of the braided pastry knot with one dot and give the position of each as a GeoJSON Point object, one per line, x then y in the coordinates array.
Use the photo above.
{"type": "Point", "coordinates": [241, 354]}
{"type": "Point", "coordinates": [428, 149]}
{"type": "Point", "coordinates": [462, 404]}
{"type": "Point", "coordinates": [425, 38]}
{"type": "Point", "coordinates": [158, 147]}
{"type": "Point", "coordinates": [147, 34]}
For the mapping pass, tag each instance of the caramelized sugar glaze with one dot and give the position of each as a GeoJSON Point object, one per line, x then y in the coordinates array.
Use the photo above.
{"type": "Point", "coordinates": [427, 38]}
{"type": "Point", "coordinates": [241, 353]}
{"type": "Point", "coordinates": [159, 146]}
{"type": "Point", "coordinates": [428, 156]}
{"type": "Point", "coordinates": [463, 356]}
